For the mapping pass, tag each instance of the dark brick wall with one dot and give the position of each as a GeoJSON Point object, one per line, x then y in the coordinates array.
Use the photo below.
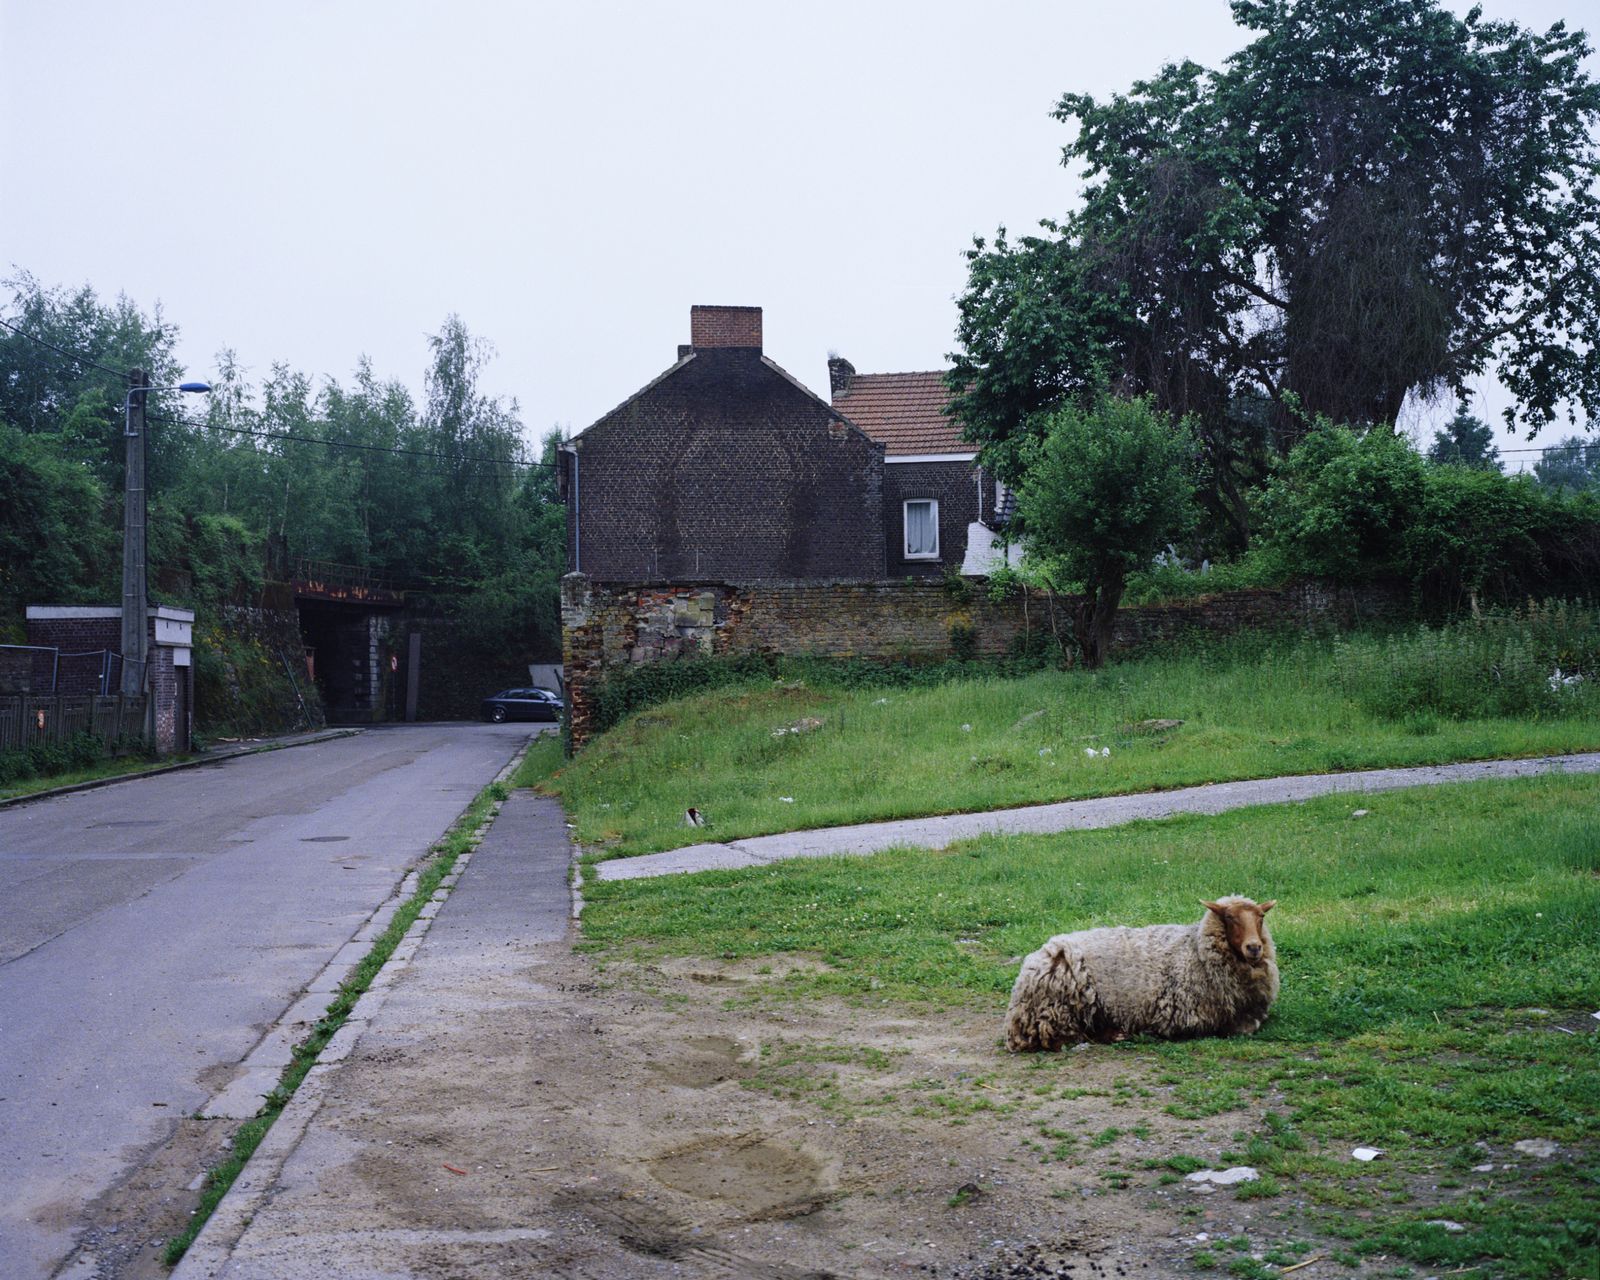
{"type": "Point", "coordinates": [955, 487]}
{"type": "Point", "coordinates": [607, 626]}
{"type": "Point", "coordinates": [725, 468]}
{"type": "Point", "coordinates": [171, 685]}
{"type": "Point", "coordinates": [83, 636]}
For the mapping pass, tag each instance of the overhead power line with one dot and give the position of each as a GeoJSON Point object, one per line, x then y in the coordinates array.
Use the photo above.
{"type": "Point", "coordinates": [62, 351]}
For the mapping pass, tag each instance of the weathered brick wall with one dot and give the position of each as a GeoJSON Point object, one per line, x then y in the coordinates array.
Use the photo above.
{"type": "Point", "coordinates": [954, 485]}
{"type": "Point", "coordinates": [84, 671]}
{"type": "Point", "coordinates": [724, 467]}
{"type": "Point", "coordinates": [82, 642]}
{"type": "Point", "coordinates": [609, 626]}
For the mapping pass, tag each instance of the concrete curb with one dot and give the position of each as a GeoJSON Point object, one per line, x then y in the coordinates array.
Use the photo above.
{"type": "Point", "coordinates": [216, 758]}
{"type": "Point", "coordinates": [214, 1246]}
{"type": "Point", "coordinates": [1070, 815]}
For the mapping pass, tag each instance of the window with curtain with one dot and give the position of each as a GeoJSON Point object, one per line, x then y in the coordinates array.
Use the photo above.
{"type": "Point", "coordinates": [922, 529]}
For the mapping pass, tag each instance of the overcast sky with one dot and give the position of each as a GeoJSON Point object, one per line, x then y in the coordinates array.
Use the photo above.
{"type": "Point", "coordinates": [308, 182]}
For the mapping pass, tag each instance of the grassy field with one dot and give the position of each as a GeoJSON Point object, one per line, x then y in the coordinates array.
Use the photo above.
{"type": "Point", "coordinates": [1440, 958]}
{"type": "Point", "coordinates": [1249, 708]}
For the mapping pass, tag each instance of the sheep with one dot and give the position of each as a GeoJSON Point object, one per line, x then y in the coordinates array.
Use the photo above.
{"type": "Point", "coordinates": [1217, 977]}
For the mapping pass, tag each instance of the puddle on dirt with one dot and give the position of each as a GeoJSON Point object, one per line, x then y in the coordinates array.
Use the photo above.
{"type": "Point", "coordinates": [758, 1177]}
{"type": "Point", "coordinates": [699, 1062]}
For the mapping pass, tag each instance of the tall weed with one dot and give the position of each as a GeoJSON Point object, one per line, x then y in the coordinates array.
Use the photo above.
{"type": "Point", "coordinates": [1542, 659]}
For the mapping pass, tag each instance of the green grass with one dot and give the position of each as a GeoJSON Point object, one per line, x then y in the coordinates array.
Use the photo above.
{"type": "Point", "coordinates": [1250, 708]}
{"type": "Point", "coordinates": [113, 768]}
{"type": "Point", "coordinates": [442, 857]}
{"type": "Point", "coordinates": [1416, 945]}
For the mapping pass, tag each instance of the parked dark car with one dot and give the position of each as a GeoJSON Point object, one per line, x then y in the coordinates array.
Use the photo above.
{"type": "Point", "coordinates": [521, 704]}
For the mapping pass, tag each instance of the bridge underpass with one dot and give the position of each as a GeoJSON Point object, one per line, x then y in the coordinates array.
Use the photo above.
{"type": "Point", "coordinates": [356, 652]}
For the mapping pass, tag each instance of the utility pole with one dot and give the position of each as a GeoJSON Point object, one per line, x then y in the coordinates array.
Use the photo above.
{"type": "Point", "coordinates": [135, 649]}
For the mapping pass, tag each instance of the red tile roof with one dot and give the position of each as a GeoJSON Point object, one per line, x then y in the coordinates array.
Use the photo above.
{"type": "Point", "coordinates": [903, 410]}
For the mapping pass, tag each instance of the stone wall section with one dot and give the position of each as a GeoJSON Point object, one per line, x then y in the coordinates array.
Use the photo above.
{"type": "Point", "coordinates": [609, 626]}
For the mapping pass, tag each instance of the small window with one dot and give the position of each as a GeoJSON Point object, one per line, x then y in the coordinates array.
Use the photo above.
{"type": "Point", "coordinates": [922, 529]}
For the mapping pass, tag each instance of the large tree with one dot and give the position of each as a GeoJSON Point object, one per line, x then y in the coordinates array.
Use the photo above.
{"type": "Point", "coordinates": [1371, 199]}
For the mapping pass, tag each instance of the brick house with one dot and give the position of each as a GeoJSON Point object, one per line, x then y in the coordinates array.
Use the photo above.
{"type": "Point", "coordinates": [940, 508]}
{"type": "Point", "coordinates": [724, 468]}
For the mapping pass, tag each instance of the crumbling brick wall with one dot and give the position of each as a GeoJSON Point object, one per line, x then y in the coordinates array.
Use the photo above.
{"type": "Point", "coordinates": [607, 626]}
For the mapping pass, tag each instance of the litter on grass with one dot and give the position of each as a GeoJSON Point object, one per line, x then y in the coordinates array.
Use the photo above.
{"type": "Point", "coordinates": [1225, 1177]}
{"type": "Point", "coordinates": [1365, 1154]}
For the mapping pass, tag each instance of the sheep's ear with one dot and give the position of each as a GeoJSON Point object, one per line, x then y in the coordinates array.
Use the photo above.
{"type": "Point", "coordinates": [1212, 906]}
{"type": "Point", "coordinates": [1268, 905]}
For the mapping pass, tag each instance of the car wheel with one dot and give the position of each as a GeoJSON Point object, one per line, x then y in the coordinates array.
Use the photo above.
{"type": "Point", "coordinates": [497, 715]}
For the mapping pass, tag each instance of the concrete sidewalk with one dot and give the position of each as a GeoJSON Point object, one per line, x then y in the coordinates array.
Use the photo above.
{"type": "Point", "coordinates": [1073, 815]}
{"type": "Point", "coordinates": [298, 1209]}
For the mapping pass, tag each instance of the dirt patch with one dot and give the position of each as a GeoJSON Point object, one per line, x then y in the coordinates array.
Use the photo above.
{"type": "Point", "coordinates": [123, 1235]}
{"type": "Point", "coordinates": [687, 1119]}
{"type": "Point", "coordinates": [753, 1175]}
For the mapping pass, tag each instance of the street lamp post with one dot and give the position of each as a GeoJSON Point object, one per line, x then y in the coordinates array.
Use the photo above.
{"type": "Point", "coordinates": [135, 648]}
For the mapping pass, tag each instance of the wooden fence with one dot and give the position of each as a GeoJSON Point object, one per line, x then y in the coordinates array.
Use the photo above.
{"type": "Point", "coordinates": [27, 719]}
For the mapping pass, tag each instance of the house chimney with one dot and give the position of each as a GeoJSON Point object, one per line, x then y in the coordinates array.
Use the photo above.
{"type": "Point", "coordinates": [840, 372]}
{"type": "Point", "coordinates": [725, 327]}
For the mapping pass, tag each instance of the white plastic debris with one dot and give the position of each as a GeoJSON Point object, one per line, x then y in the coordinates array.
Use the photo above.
{"type": "Point", "coordinates": [1446, 1224]}
{"type": "Point", "coordinates": [966, 728]}
{"type": "Point", "coordinates": [1560, 680]}
{"type": "Point", "coordinates": [1045, 751]}
{"type": "Point", "coordinates": [881, 702]}
{"type": "Point", "coordinates": [1595, 1014]}
{"type": "Point", "coordinates": [1224, 1177]}
{"type": "Point", "coordinates": [693, 818]}
{"type": "Point", "coordinates": [1366, 1154]}
{"type": "Point", "coordinates": [1361, 813]}
{"type": "Point", "coordinates": [1090, 752]}
{"type": "Point", "coordinates": [1105, 751]}
{"type": "Point", "coordinates": [1543, 1148]}
{"type": "Point", "coordinates": [787, 799]}
{"type": "Point", "coordinates": [1483, 1168]}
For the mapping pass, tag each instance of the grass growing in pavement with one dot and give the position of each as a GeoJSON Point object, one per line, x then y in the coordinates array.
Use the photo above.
{"type": "Point", "coordinates": [1251, 707]}
{"type": "Point", "coordinates": [442, 857]}
{"type": "Point", "coordinates": [1430, 951]}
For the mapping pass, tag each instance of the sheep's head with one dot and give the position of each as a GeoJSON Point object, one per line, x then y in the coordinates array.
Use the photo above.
{"type": "Point", "coordinates": [1245, 927]}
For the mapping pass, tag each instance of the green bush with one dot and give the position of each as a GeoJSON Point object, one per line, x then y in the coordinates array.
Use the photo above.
{"type": "Point", "coordinates": [1263, 566]}
{"type": "Point", "coordinates": [44, 759]}
{"type": "Point", "coordinates": [1341, 502]}
{"type": "Point", "coordinates": [1526, 663]}
{"type": "Point", "coordinates": [1354, 505]}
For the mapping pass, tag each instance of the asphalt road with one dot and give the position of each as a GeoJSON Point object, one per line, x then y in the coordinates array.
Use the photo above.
{"type": "Point", "coordinates": [151, 931]}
